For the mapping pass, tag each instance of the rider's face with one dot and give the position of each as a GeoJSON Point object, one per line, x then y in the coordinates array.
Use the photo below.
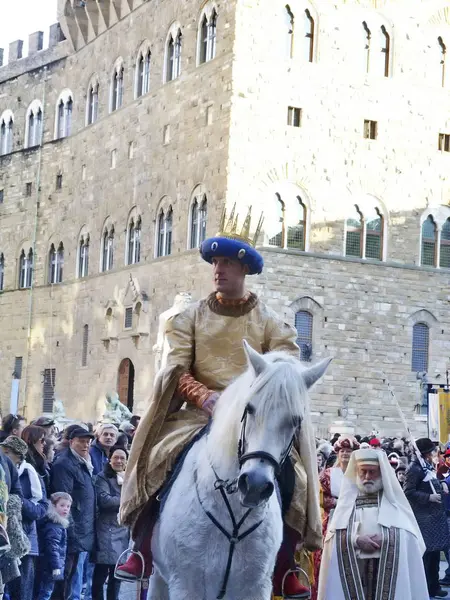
{"type": "Point", "coordinates": [229, 276]}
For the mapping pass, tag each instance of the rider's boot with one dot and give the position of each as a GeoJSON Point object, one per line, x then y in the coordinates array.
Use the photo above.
{"type": "Point", "coordinates": [293, 589]}
{"type": "Point", "coordinates": [133, 569]}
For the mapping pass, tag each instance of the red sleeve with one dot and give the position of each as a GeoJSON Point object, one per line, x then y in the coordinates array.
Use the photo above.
{"type": "Point", "coordinates": [325, 481]}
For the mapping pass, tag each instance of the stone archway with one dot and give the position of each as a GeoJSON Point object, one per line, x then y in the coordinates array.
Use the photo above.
{"type": "Point", "coordinates": [125, 383]}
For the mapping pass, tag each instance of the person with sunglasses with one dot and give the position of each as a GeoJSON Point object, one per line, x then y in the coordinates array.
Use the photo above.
{"type": "Point", "coordinates": [12, 425]}
{"type": "Point", "coordinates": [34, 437]}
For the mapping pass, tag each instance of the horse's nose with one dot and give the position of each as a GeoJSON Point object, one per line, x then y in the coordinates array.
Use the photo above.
{"type": "Point", "coordinates": [255, 488]}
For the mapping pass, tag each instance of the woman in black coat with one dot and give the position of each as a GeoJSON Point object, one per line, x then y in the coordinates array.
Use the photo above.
{"type": "Point", "coordinates": [428, 507]}
{"type": "Point", "coordinates": [112, 538]}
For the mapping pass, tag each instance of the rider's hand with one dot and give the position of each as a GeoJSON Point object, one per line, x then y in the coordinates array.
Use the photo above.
{"type": "Point", "coordinates": [436, 498]}
{"type": "Point", "coordinates": [210, 402]}
{"type": "Point", "coordinates": [367, 543]}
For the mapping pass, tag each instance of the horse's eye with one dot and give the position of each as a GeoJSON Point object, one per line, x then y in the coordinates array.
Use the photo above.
{"type": "Point", "coordinates": [250, 409]}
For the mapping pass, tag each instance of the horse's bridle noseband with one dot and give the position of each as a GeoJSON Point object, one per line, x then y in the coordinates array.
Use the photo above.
{"type": "Point", "coordinates": [244, 456]}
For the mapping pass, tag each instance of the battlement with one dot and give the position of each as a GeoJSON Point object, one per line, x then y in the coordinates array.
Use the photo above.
{"type": "Point", "coordinates": [35, 44]}
{"type": "Point", "coordinates": [38, 56]}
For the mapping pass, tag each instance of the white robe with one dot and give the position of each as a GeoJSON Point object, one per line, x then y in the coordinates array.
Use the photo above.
{"type": "Point", "coordinates": [411, 581]}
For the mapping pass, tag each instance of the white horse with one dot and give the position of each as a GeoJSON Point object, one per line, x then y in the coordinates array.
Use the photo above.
{"type": "Point", "coordinates": [253, 426]}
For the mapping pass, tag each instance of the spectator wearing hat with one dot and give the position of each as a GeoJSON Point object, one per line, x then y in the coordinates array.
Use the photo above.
{"type": "Point", "coordinates": [72, 473]}
{"type": "Point", "coordinates": [128, 429]}
{"type": "Point", "coordinates": [400, 472]}
{"type": "Point", "coordinates": [12, 425]}
{"type": "Point", "coordinates": [375, 443]}
{"type": "Point", "coordinates": [48, 423]}
{"type": "Point", "coordinates": [105, 438]}
{"type": "Point", "coordinates": [425, 494]}
{"type": "Point", "coordinates": [135, 420]}
{"type": "Point", "coordinates": [34, 507]}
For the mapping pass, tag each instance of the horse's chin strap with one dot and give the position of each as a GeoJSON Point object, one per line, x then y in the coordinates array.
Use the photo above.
{"type": "Point", "coordinates": [234, 537]}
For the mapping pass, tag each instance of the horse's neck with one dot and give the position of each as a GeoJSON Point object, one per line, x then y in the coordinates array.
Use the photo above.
{"type": "Point", "coordinates": [211, 465]}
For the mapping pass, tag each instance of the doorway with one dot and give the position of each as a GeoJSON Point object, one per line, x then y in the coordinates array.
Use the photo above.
{"type": "Point", "coordinates": [125, 384]}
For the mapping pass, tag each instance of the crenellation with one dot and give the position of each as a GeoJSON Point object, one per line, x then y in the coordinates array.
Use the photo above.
{"type": "Point", "coordinates": [15, 50]}
{"type": "Point", "coordinates": [35, 42]}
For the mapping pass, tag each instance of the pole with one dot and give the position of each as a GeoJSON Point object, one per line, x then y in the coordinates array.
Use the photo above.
{"type": "Point", "coordinates": [407, 429]}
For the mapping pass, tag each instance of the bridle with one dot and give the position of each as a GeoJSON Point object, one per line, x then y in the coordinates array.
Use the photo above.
{"type": "Point", "coordinates": [230, 487]}
{"type": "Point", "coordinates": [244, 456]}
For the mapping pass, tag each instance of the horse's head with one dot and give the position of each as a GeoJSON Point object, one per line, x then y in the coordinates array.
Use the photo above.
{"type": "Point", "coordinates": [274, 409]}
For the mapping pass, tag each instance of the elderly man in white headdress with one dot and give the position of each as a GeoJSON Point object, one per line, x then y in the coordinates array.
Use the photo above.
{"type": "Point", "coordinates": [373, 548]}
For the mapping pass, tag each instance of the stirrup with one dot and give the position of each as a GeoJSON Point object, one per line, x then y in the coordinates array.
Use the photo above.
{"type": "Point", "coordinates": [121, 577]}
{"type": "Point", "coordinates": [303, 596]}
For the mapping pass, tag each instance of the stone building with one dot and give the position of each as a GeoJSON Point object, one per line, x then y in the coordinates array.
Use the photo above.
{"type": "Point", "coordinates": [123, 141]}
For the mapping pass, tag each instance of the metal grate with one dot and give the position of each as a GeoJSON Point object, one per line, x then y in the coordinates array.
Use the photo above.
{"type": "Point", "coordinates": [294, 116]}
{"type": "Point", "coordinates": [444, 260]}
{"type": "Point", "coordinates": [128, 317]}
{"type": "Point", "coordinates": [48, 391]}
{"type": "Point", "coordinates": [84, 350]}
{"type": "Point", "coordinates": [1, 196]}
{"type": "Point", "coordinates": [370, 130]}
{"type": "Point", "coordinates": [444, 142]}
{"type": "Point", "coordinates": [59, 179]}
{"type": "Point", "coordinates": [420, 344]}
{"type": "Point", "coordinates": [374, 231]}
{"type": "Point", "coordinates": [304, 327]}
{"type": "Point", "coordinates": [18, 368]}
{"type": "Point", "coordinates": [296, 237]}
{"type": "Point", "coordinates": [353, 238]}
{"type": "Point", "coordinates": [28, 189]}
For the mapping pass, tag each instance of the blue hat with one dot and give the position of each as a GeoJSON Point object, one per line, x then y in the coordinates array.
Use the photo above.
{"type": "Point", "coordinates": [232, 248]}
{"type": "Point", "coordinates": [228, 243]}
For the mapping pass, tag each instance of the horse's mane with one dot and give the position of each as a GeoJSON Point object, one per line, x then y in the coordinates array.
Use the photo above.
{"type": "Point", "coordinates": [281, 384]}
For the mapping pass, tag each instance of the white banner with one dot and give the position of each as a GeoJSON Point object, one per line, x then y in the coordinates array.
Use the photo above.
{"type": "Point", "coordinates": [433, 416]}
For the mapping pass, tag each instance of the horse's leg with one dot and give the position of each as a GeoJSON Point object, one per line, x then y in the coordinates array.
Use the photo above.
{"type": "Point", "coordinates": [157, 588]}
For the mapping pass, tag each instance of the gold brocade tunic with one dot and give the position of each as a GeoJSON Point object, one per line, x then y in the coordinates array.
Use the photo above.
{"type": "Point", "coordinates": [207, 338]}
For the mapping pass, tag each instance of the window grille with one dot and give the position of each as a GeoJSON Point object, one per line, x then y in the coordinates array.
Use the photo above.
{"type": "Point", "coordinates": [83, 257]}
{"type": "Point", "coordinates": [18, 367]}
{"type": "Point", "coordinates": [374, 237]}
{"type": "Point", "coordinates": [117, 91]}
{"type": "Point", "coordinates": [198, 222]}
{"type": "Point", "coordinates": [420, 347]}
{"type": "Point", "coordinates": [1, 196]}
{"type": "Point", "coordinates": [309, 36]}
{"type": "Point", "coordinates": [2, 271]}
{"type": "Point", "coordinates": [28, 189]}
{"type": "Point", "coordinates": [429, 245]}
{"type": "Point", "coordinates": [84, 351]}
{"type": "Point", "coordinates": [354, 235]}
{"type": "Point", "coordinates": [48, 392]}
{"type": "Point", "coordinates": [93, 104]}
{"type": "Point", "coordinates": [164, 237]}
{"type": "Point", "coordinates": [143, 74]}
{"type": "Point", "coordinates": [168, 228]}
{"type": "Point", "coordinates": [61, 119]}
{"type": "Point", "coordinates": [6, 136]}
{"type": "Point", "coordinates": [134, 242]}
{"type": "Point", "coordinates": [56, 264]}
{"type": "Point", "coordinates": [204, 40]}
{"type": "Point", "coordinates": [444, 259]}
{"type": "Point", "coordinates": [34, 129]}
{"type": "Point", "coordinates": [174, 57]}
{"type": "Point", "coordinates": [370, 130]}
{"type": "Point", "coordinates": [304, 327]}
{"type": "Point", "coordinates": [128, 318]}
{"type": "Point", "coordinates": [108, 250]}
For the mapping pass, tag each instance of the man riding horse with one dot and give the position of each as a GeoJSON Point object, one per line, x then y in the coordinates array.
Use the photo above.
{"type": "Point", "coordinates": [205, 355]}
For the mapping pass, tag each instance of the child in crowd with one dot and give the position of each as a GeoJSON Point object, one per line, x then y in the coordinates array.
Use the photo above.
{"type": "Point", "coordinates": [53, 543]}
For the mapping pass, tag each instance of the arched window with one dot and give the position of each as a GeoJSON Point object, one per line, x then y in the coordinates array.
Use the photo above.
{"type": "Point", "coordinates": [92, 105]}
{"type": "Point", "coordinates": [173, 56]}
{"type": "Point", "coordinates": [296, 234]}
{"type": "Point", "coordinates": [354, 234]}
{"type": "Point", "coordinates": [117, 88]}
{"type": "Point", "coordinates": [84, 349]}
{"type": "Point", "coordinates": [34, 125]}
{"type": "Point", "coordinates": [386, 49]}
{"type": "Point", "coordinates": [143, 73]}
{"type": "Point", "coordinates": [443, 54]}
{"type": "Point", "coordinates": [164, 234]}
{"type": "Point", "coordinates": [199, 215]}
{"type": "Point", "coordinates": [309, 36]}
{"type": "Point", "coordinates": [289, 31]}
{"type": "Point", "coordinates": [368, 38]}
{"type": "Point", "coordinates": [279, 238]}
{"type": "Point", "coordinates": [374, 236]}
{"type": "Point", "coordinates": [2, 271]}
{"type": "Point", "coordinates": [26, 269]}
{"type": "Point", "coordinates": [304, 327]}
{"type": "Point", "coordinates": [420, 347]}
{"type": "Point", "coordinates": [56, 264]}
{"type": "Point", "coordinates": [134, 241]}
{"type": "Point", "coordinates": [429, 242]}
{"type": "Point", "coordinates": [64, 116]}
{"type": "Point", "coordinates": [6, 134]}
{"type": "Point", "coordinates": [83, 256]}
{"type": "Point", "coordinates": [444, 258]}
{"type": "Point", "coordinates": [108, 249]}
{"type": "Point", "coordinates": [208, 37]}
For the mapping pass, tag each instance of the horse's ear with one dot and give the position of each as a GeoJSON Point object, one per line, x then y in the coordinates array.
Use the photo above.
{"type": "Point", "coordinates": [315, 372]}
{"type": "Point", "coordinates": [254, 359]}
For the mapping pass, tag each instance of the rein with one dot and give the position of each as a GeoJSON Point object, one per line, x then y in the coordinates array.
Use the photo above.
{"type": "Point", "coordinates": [230, 487]}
